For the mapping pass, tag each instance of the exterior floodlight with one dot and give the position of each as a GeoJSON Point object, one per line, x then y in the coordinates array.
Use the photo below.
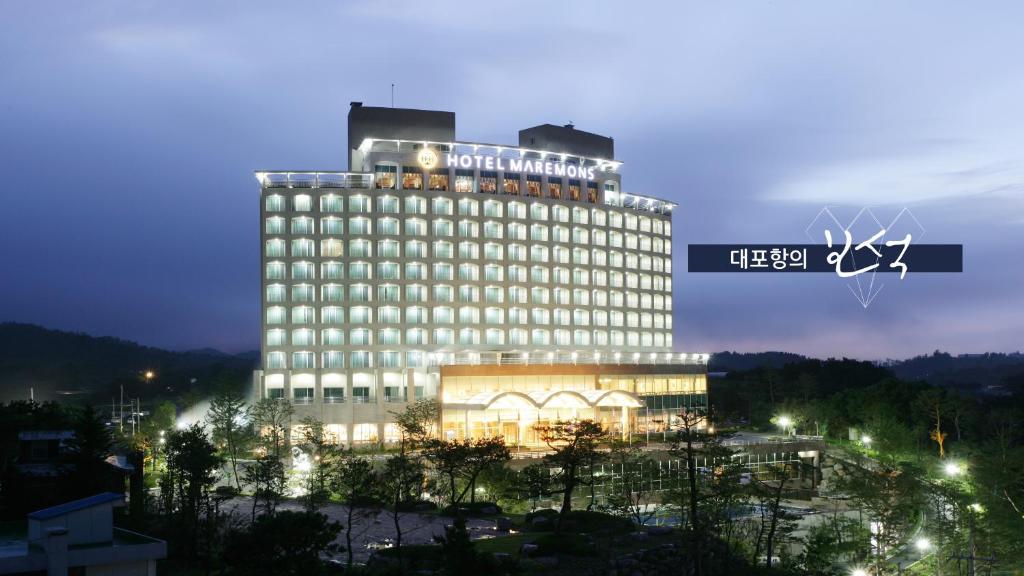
{"type": "Point", "coordinates": [952, 469]}
{"type": "Point", "coordinates": [865, 440]}
{"type": "Point", "coordinates": [858, 572]}
{"type": "Point", "coordinates": [785, 421]}
{"type": "Point", "coordinates": [922, 544]}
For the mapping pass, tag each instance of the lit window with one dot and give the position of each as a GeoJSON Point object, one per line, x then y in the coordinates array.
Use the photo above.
{"type": "Point", "coordinates": [412, 178]}
{"type": "Point", "coordinates": [302, 203]}
{"type": "Point", "coordinates": [332, 270]}
{"type": "Point", "coordinates": [332, 225]}
{"type": "Point", "coordinates": [334, 359]}
{"type": "Point", "coordinates": [540, 337]}
{"type": "Point", "coordinates": [332, 337]}
{"type": "Point", "coordinates": [360, 337]}
{"type": "Point", "coordinates": [468, 207]}
{"type": "Point", "coordinates": [387, 249]}
{"type": "Point", "coordinates": [443, 336]}
{"type": "Point", "coordinates": [416, 293]}
{"type": "Point", "coordinates": [359, 271]}
{"type": "Point", "coordinates": [463, 180]}
{"type": "Point", "coordinates": [275, 315]}
{"type": "Point", "coordinates": [560, 213]}
{"type": "Point", "coordinates": [332, 315]}
{"type": "Point", "coordinates": [389, 315]}
{"type": "Point", "coordinates": [275, 248]}
{"type": "Point", "coordinates": [302, 315]}
{"type": "Point", "coordinates": [442, 271]}
{"type": "Point", "coordinates": [387, 226]}
{"type": "Point", "coordinates": [442, 227]}
{"type": "Point", "coordinates": [517, 210]}
{"type": "Point", "coordinates": [274, 203]}
{"type": "Point", "coordinates": [275, 225]}
{"type": "Point", "coordinates": [554, 187]}
{"type": "Point", "coordinates": [360, 315]}
{"type": "Point", "coordinates": [302, 225]}
{"type": "Point", "coordinates": [443, 315]}
{"type": "Point", "coordinates": [384, 176]}
{"type": "Point", "coordinates": [275, 293]}
{"type": "Point", "coordinates": [388, 271]}
{"type": "Point", "coordinates": [489, 182]}
{"type": "Point", "coordinates": [493, 272]}
{"type": "Point", "coordinates": [360, 359]}
{"type": "Point", "coordinates": [303, 337]}
{"type": "Point", "coordinates": [533, 185]}
{"type": "Point", "coordinates": [303, 293]}
{"type": "Point", "coordinates": [538, 211]}
{"type": "Point", "coordinates": [443, 293]}
{"type": "Point", "coordinates": [275, 360]}
{"type": "Point", "coordinates": [415, 205]}
{"type": "Point", "coordinates": [331, 203]}
{"type": "Point", "coordinates": [510, 183]}
{"type": "Point", "coordinates": [275, 337]}
{"type": "Point", "coordinates": [439, 180]}
{"type": "Point", "coordinates": [302, 271]}
{"type": "Point", "coordinates": [359, 225]}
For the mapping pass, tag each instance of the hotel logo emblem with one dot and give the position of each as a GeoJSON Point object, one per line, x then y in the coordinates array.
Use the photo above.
{"type": "Point", "coordinates": [427, 158]}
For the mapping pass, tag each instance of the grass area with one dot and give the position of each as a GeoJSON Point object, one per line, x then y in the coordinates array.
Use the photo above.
{"type": "Point", "coordinates": [504, 544]}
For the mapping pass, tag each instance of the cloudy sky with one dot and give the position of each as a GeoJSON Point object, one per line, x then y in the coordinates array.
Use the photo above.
{"type": "Point", "coordinates": [129, 132]}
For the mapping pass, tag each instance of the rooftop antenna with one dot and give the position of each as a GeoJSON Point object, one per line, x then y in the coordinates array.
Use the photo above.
{"type": "Point", "coordinates": [392, 94]}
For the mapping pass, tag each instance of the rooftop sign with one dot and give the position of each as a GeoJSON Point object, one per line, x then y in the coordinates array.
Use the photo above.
{"type": "Point", "coordinates": [541, 167]}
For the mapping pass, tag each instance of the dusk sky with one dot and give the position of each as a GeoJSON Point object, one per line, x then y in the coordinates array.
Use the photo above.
{"type": "Point", "coordinates": [129, 133]}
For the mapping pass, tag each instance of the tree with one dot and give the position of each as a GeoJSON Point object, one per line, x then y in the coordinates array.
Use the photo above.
{"type": "Point", "coordinates": [192, 463]}
{"type": "Point", "coordinates": [229, 420]}
{"type": "Point", "coordinates": [418, 423]}
{"type": "Point", "coordinates": [282, 544]}
{"type": "Point", "coordinates": [575, 446]}
{"type": "Point", "coordinates": [535, 482]}
{"type": "Point", "coordinates": [355, 480]}
{"type": "Point", "coordinates": [933, 402]}
{"type": "Point", "coordinates": [775, 521]}
{"type": "Point", "coordinates": [267, 479]}
{"type": "Point", "coordinates": [400, 484]}
{"type": "Point", "coordinates": [89, 450]}
{"type": "Point", "coordinates": [630, 494]}
{"type": "Point", "coordinates": [691, 428]}
{"type": "Point", "coordinates": [464, 460]}
{"type": "Point", "coordinates": [322, 452]}
{"type": "Point", "coordinates": [273, 418]}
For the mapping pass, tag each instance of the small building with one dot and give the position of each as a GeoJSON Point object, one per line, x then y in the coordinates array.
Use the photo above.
{"type": "Point", "coordinates": [80, 536]}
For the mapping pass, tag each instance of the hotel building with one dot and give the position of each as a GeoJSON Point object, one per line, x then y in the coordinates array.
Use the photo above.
{"type": "Point", "coordinates": [519, 284]}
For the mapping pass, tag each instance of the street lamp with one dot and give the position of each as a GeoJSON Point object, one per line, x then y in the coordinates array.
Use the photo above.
{"type": "Point", "coordinates": [922, 544]}
{"type": "Point", "coordinates": [859, 572]}
{"type": "Point", "coordinates": [952, 469]}
{"type": "Point", "coordinates": [785, 422]}
{"type": "Point", "coordinates": [149, 375]}
{"type": "Point", "coordinates": [865, 440]}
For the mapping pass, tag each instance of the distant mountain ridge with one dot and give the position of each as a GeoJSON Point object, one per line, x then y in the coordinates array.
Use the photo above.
{"type": "Point", "coordinates": [52, 364]}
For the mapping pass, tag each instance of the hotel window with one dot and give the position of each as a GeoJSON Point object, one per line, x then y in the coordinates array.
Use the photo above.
{"type": "Point", "coordinates": [539, 233]}
{"type": "Point", "coordinates": [332, 270]}
{"type": "Point", "coordinates": [360, 359]}
{"type": "Point", "coordinates": [303, 293]}
{"type": "Point", "coordinates": [489, 182]}
{"type": "Point", "coordinates": [592, 192]}
{"type": "Point", "coordinates": [554, 187]}
{"type": "Point", "coordinates": [331, 203]}
{"type": "Point", "coordinates": [631, 261]}
{"type": "Point", "coordinates": [443, 337]}
{"type": "Point", "coordinates": [359, 271]}
{"type": "Point", "coordinates": [600, 296]}
{"type": "Point", "coordinates": [387, 226]}
{"type": "Point", "coordinates": [581, 317]}
{"type": "Point", "coordinates": [517, 337]}
{"type": "Point", "coordinates": [302, 271]}
{"type": "Point", "coordinates": [332, 337]}
{"type": "Point", "coordinates": [443, 315]}
{"type": "Point", "coordinates": [442, 249]}
{"type": "Point", "coordinates": [540, 337]}
{"type": "Point", "coordinates": [412, 178]}
{"type": "Point", "coordinates": [415, 249]}
{"type": "Point", "coordinates": [442, 271]}
{"type": "Point", "coordinates": [415, 205]}
{"type": "Point", "coordinates": [390, 359]}
{"type": "Point", "coordinates": [517, 316]}
{"type": "Point", "coordinates": [469, 293]}
{"type": "Point", "coordinates": [334, 360]}
{"type": "Point", "coordinates": [415, 271]}
{"type": "Point", "coordinates": [492, 209]}
{"type": "Point", "coordinates": [631, 222]}
{"type": "Point", "coordinates": [645, 224]}
{"type": "Point", "coordinates": [581, 338]}
{"type": "Point", "coordinates": [302, 203]}
{"type": "Point", "coordinates": [580, 235]}
{"type": "Point", "coordinates": [492, 251]}
{"type": "Point", "coordinates": [442, 227]}
{"type": "Point", "coordinates": [359, 293]}
{"type": "Point", "coordinates": [668, 228]}
{"type": "Point", "coordinates": [632, 280]}
{"type": "Point", "coordinates": [495, 337]}
{"type": "Point", "coordinates": [617, 318]}
{"type": "Point", "coordinates": [468, 229]}
{"type": "Point", "coordinates": [468, 207]}
{"type": "Point", "coordinates": [618, 338]}
{"type": "Point", "coordinates": [303, 315]}
{"type": "Point", "coordinates": [275, 248]}
{"type": "Point", "coordinates": [615, 258]}
{"type": "Point", "coordinates": [389, 315]}
{"type": "Point", "coordinates": [538, 253]}
{"type": "Point", "coordinates": [463, 180]}
{"type": "Point", "coordinates": [493, 229]}
{"type": "Point", "coordinates": [302, 248]}
{"type": "Point", "coordinates": [580, 297]}
{"type": "Point", "coordinates": [615, 240]}
{"type": "Point", "coordinates": [574, 190]}
{"type": "Point", "coordinates": [580, 256]}
{"type": "Point", "coordinates": [600, 217]}
{"type": "Point", "coordinates": [493, 272]}
{"type": "Point", "coordinates": [561, 275]}
{"type": "Point", "coordinates": [616, 298]}
{"type": "Point", "coordinates": [516, 231]}
{"type": "Point", "coordinates": [303, 337]}
{"type": "Point", "coordinates": [510, 183]}
{"type": "Point", "coordinates": [562, 338]}
{"type": "Point", "coordinates": [302, 225]}
{"type": "Point", "coordinates": [657, 245]}
{"type": "Point", "coordinates": [538, 211]}
{"type": "Point", "coordinates": [539, 295]}
{"type": "Point", "coordinates": [632, 300]}
{"type": "Point", "coordinates": [439, 179]}
{"type": "Point", "coordinates": [360, 315]}
{"type": "Point", "coordinates": [359, 203]}
{"type": "Point", "coordinates": [600, 338]}
{"type": "Point", "coordinates": [384, 176]}
{"type": "Point", "coordinates": [416, 292]}
{"type": "Point", "coordinates": [416, 337]}
{"type": "Point", "coordinates": [561, 316]}
{"type": "Point", "coordinates": [387, 205]}
{"type": "Point", "coordinates": [657, 226]}
{"type": "Point", "coordinates": [645, 262]}
{"type": "Point", "coordinates": [415, 227]}
{"type": "Point", "coordinates": [533, 185]}
{"type": "Point", "coordinates": [645, 243]}
{"type": "Point", "coordinates": [389, 271]}
{"type": "Point", "coordinates": [600, 238]}
{"type": "Point", "coordinates": [443, 293]}
{"type": "Point", "coordinates": [336, 395]}
{"type": "Point", "coordinates": [494, 294]}
{"type": "Point", "coordinates": [359, 226]}
{"type": "Point", "coordinates": [560, 213]}
{"type": "Point", "coordinates": [517, 294]}
{"type": "Point", "coordinates": [580, 215]}
{"type": "Point", "coordinates": [275, 360]}
{"type": "Point", "coordinates": [275, 337]}
{"type": "Point", "coordinates": [275, 315]}
{"type": "Point", "coordinates": [331, 248]}
{"type": "Point", "coordinates": [331, 225]}
{"type": "Point", "coordinates": [469, 336]}
{"type": "Point", "coordinates": [389, 293]}
{"type": "Point", "coordinates": [600, 278]}
{"type": "Point", "coordinates": [469, 315]}
{"type": "Point", "coordinates": [616, 219]}
{"type": "Point", "coordinates": [360, 248]}
{"type": "Point", "coordinates": [632, 339]}
{"type": "Point", "coordinates": [387, 249]}
{"type": "Point", "coordinates": [469, 272]}
{"type": "Point", "coordinates": [600, 318]}
{"type": "Point", "coordinates": [275, 293]}
{"type": "Point", "coordinates": [275, 225]}
{"type": "Point", "coordinates": [416, 315]}
{"type": "Point", "coordinates": [517, 274]}
{"type": "Point", "coordinates": [494, 316]}
{"type": "Point", "coordinates": [275, 203]}
{"type": "Point", "coordinates": [561, 295]}
{"type": "Point", "coordinates": [517, 210]}
{"type": "Point", "coordinates": [645, 281]}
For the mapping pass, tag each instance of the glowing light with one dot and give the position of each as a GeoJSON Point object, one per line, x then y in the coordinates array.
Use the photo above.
{"type": "Point", "coordinates": [922, 544]}
{"type": "Point", "coordinates": [952, 469]}
{"type": "Point", "coordinates": [865, 440]}
{"type": "Point", "coordinates": [858, 572]}
{"type": "Point", "coordinates": [785, 422]}
{"type": "Point", "coordinates": [149, 375]}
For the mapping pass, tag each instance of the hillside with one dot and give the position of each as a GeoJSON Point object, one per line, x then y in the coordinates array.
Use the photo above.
{"type": "Point", "coordinates": [75, 366]}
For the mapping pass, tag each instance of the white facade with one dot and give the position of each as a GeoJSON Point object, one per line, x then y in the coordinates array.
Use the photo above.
{"type": "Point", "coordinates": [372, 279]}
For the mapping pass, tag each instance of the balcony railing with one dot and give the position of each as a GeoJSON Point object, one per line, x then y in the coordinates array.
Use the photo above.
{"type": "Point", "coordinates": [362, 400]}
{"type": "Point", "coordinates": [334, 399]}
{"type": "Point", "coordinates": [276, 179]}
{"type": "Point", "coordinates": [548, 358]}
